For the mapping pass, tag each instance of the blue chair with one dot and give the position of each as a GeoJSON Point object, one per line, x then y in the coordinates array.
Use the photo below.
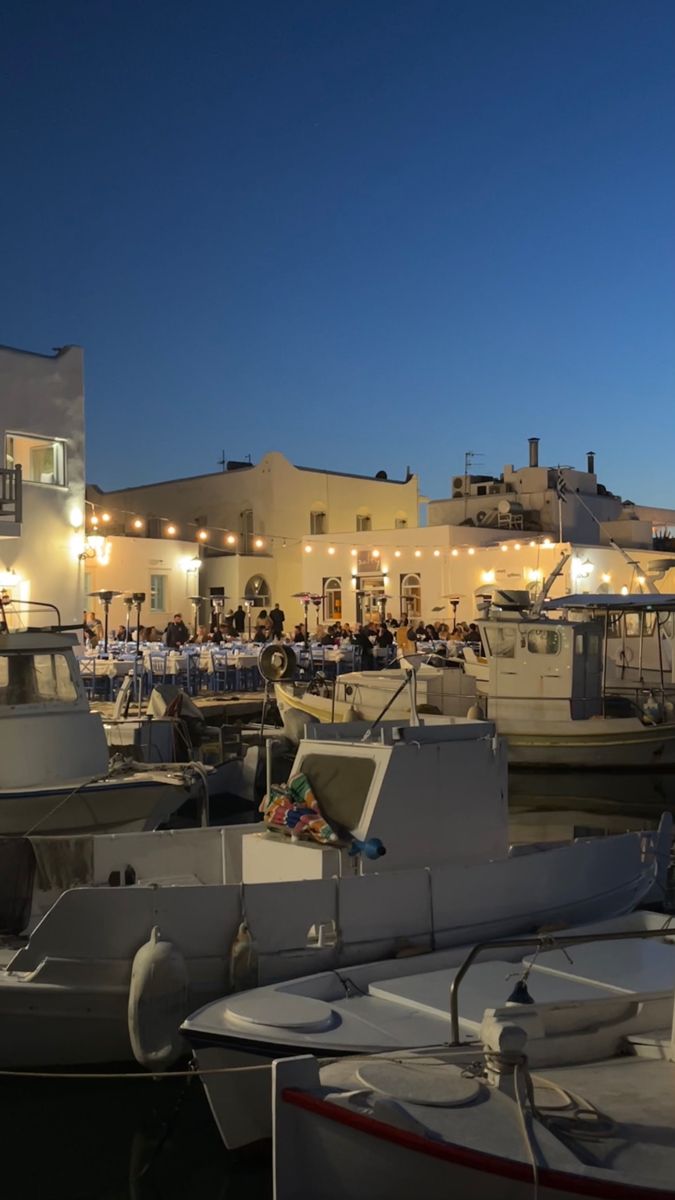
{"type": "Point", "coordinates": [219, 671]}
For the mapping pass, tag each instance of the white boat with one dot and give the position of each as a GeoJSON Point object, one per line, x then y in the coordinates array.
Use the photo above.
{"type": "Point", "coordinates": [564, 1090]}
{"type": "Point", "coordinates": [579, 682]}
{"type": "Point", "coordinates": [556, 688]}
{"type": "Point", "coordinates": [55, 775]}
{"type": "Point", "coordinates": [384, 1005]}
{"type": "Point", "coordinates": [441, 687]}
{"type": "Point", "coordinates": [239, 906]}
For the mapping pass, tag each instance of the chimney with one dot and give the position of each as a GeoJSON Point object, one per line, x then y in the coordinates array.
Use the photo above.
{"type": "Point", "coordinates": [534, 451]}
{"type": "Point", "coordinates": [590, 462]}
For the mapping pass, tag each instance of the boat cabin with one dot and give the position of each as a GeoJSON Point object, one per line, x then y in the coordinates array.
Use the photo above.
{"type": "Point", "coordinates": [597, 656]}
{"type": "Point", "coordinates": [430, 793]}
{"type": "Point", "coordinates": [47, 733]}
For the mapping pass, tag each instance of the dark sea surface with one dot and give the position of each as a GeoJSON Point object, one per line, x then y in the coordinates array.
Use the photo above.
{"type": "Point", "coordinates": [148, 1140]}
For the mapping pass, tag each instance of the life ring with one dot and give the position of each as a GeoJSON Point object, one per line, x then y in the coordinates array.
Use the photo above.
{"type": "Point", "coordinates": [624, 656]}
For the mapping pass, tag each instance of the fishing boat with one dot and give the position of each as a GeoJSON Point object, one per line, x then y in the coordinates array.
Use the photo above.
{"type": "Point", "coordinates": [113, 939]}
{"type": "Point", "coordinates": [55, 775]}
{"type": "Point", "coordinates": [561, 1089]}
{"type": "Point", "coordinates": [403, 1002]}
{"type": "Point", "coordinates": [581, 681]}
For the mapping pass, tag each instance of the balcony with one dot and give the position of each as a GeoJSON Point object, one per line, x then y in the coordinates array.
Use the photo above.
{"type": "Point", "coordinates": [10, 501]}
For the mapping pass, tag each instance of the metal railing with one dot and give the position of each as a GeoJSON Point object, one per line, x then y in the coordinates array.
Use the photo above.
{"type": "Point", "coordinates": [542, 942]}
{"type": "Point", "coordinates": [11, 493]}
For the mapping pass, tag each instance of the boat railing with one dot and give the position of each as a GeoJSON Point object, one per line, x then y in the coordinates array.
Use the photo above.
{"type": "Point", "coordinates": [539, 943]}
{"type": "Point", "coordinates": [15, 613]}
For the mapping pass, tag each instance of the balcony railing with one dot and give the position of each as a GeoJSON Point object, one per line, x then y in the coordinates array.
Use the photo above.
{"type": "Point", "coordinates": [10, 493]}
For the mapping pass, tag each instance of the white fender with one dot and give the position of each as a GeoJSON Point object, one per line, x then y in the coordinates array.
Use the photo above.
{"type": "Point", "coordinates": [158, 1003]}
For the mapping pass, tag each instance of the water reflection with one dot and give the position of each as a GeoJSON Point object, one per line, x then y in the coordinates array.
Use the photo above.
{"type": "Point", "coordinates": [558, 804]}
{"type": "Point", "coordinates": [132, 1140]}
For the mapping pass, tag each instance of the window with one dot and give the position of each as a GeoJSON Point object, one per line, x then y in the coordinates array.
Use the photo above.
{"type": "Point", "coordinates": [411, 596]}
{"type": "Point", "coordinates": [363, 523]}
{"type": "Point", "coordinates": [332, 590]}
{"type": "Point", "coordinates": [258, 591]}
{"type": "Point", "coordinates": [543, 641]}
{"type": "Point", "coordinates": [158, 593]}
{"type": "Point", "coordinates": [317, 522]}
{"type": "Point", "coordinates": [401, 523]}
{"type": "Point", "coordinates": [35, 679]}
{"type": "Point", "coordinates": [42, 460]}
{"type": "Point", "coordinates": [502, 642]}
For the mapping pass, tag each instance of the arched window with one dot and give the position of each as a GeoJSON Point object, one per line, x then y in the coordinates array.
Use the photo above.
{"type": "Point", "coordinates": [411, 596]}
{"type": "Point", "coordinates": [258, 590]}
{"type": "Point", "coordinates": [363, 521]}
{"type": "Point", "coordinates": [332, 591]}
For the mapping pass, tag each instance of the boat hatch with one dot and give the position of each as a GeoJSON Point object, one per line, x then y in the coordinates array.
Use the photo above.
{"type": "Point", "coordinates": [36, 678]}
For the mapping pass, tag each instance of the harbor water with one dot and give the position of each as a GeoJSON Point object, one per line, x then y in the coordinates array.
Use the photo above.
{"type": "Point", "coordinates": [155, 1140]}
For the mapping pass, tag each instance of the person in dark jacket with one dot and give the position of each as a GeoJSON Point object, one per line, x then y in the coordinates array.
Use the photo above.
{"type": "Point", "coordinates": [277, 617]}
{"type": "Point", "coordinates": [177, 632]}
{"type": "Point", "coordinates": [239, 620]}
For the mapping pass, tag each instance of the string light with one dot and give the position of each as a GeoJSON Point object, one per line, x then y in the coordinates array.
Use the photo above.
{"type": "Point", "coordinates": [331, 549]}
{"type": "Point", "coordinates": [202, 534]}
{"type": "Point", "coordinates": [105, 517]}
{"type": "Point", "coordinates": [471, 550]}
{"type": "Point", "coordinates": [353, 553]}
{"type": "Point", "coordinates": [230, 539]}
{"type": "Point", "coordinates": [437, 554]}
{"type": "Point", "coordinates": [454, 552]}
{"type": "Point", "coordinates": [504, 548]}
{"type": "Point", "coordinates": [258, 543]}
{"type": "Point", "coordinates": [418, 554]}
{"type": "Point", "coordinates": [171, 530]}
{"type": "Point", "coordinates": [308, 549]}
{"type": "Point", "coordinates": [517, 546]}
{"type": "Point", "coordinates": [376, 554]}
{"type": "Point", "coordinates": [397, 553]}
{"type": "Point", "coordinates": [138, 524]}
{"type": "Point", "coordinates": [94, 521]}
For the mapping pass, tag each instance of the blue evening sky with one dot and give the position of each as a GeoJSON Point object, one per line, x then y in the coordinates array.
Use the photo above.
{"type": "Point", "coordinates": [367, 233]}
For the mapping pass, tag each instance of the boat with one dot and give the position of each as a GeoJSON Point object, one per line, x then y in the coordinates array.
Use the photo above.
{"type": "Point", "coordinates": [380, 1006]}
{"type": "Point", "coordinates": [56, 775]}
{"type": "Point", "coordinates": [585, 683]}
{"type": "Point", "coordinates": [562, 1089]}
{"type": "Point", "coordinates": [243, 906]}
{"type": "Point", "coordinates": [441, 687]}
{"type": "Point", "coordinates": [581, 681]}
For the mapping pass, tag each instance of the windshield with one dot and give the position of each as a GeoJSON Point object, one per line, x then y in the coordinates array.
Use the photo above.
{"type": "Point", "coordinates": [35, 679]}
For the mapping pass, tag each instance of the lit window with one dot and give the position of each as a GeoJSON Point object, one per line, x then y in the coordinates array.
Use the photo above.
{"type": "Point", "coordinates": [42, 460]}
{"type": "Point", "coordinates": [411, 596]}
{"type": "Point", "coordinates": [332, 590]}
{"type": "Point", "coordinates": [158, 593]}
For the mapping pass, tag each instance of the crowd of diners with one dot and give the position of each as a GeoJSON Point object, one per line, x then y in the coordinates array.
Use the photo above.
{"type": "Point", "coordinates": [374, 635]}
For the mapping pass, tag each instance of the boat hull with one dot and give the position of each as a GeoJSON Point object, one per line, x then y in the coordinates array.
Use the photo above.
{"type": "Point", "coordinates": [121, 805]}
{"type": "Point", "coordinates": [640, 748]}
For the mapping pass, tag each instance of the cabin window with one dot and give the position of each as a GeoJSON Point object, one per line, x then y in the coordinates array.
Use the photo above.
{"type": "Point", "coordinates": [543, 641]}
{"type": "Point", "coordinates": [35, 679]}
{"type": "Point", "coordinates": [340, 784]}
{"type": "Point", "coordinates": [502, 642]}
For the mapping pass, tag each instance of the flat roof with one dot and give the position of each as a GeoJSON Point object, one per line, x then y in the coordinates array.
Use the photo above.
{"type": "Point", "coordinates": [244, 467]}
{"type": "Point", "coordinates": [645, 602]}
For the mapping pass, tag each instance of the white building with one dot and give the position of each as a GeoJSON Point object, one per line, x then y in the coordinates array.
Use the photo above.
{"type": "Point", "coordinates": [42, 477]}
{"type": "Point", "coordinates": [529, 499]}
{"type": "Point", "coordinates": [247, 522]}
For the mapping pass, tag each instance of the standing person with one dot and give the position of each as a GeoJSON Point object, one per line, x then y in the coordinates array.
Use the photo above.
{"type": "Point", "coordinates": [277, 617]}
{"type": "Point", "coordinates": [177, 632]}
{"type": "Point", "coordinates": [239, 620]}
